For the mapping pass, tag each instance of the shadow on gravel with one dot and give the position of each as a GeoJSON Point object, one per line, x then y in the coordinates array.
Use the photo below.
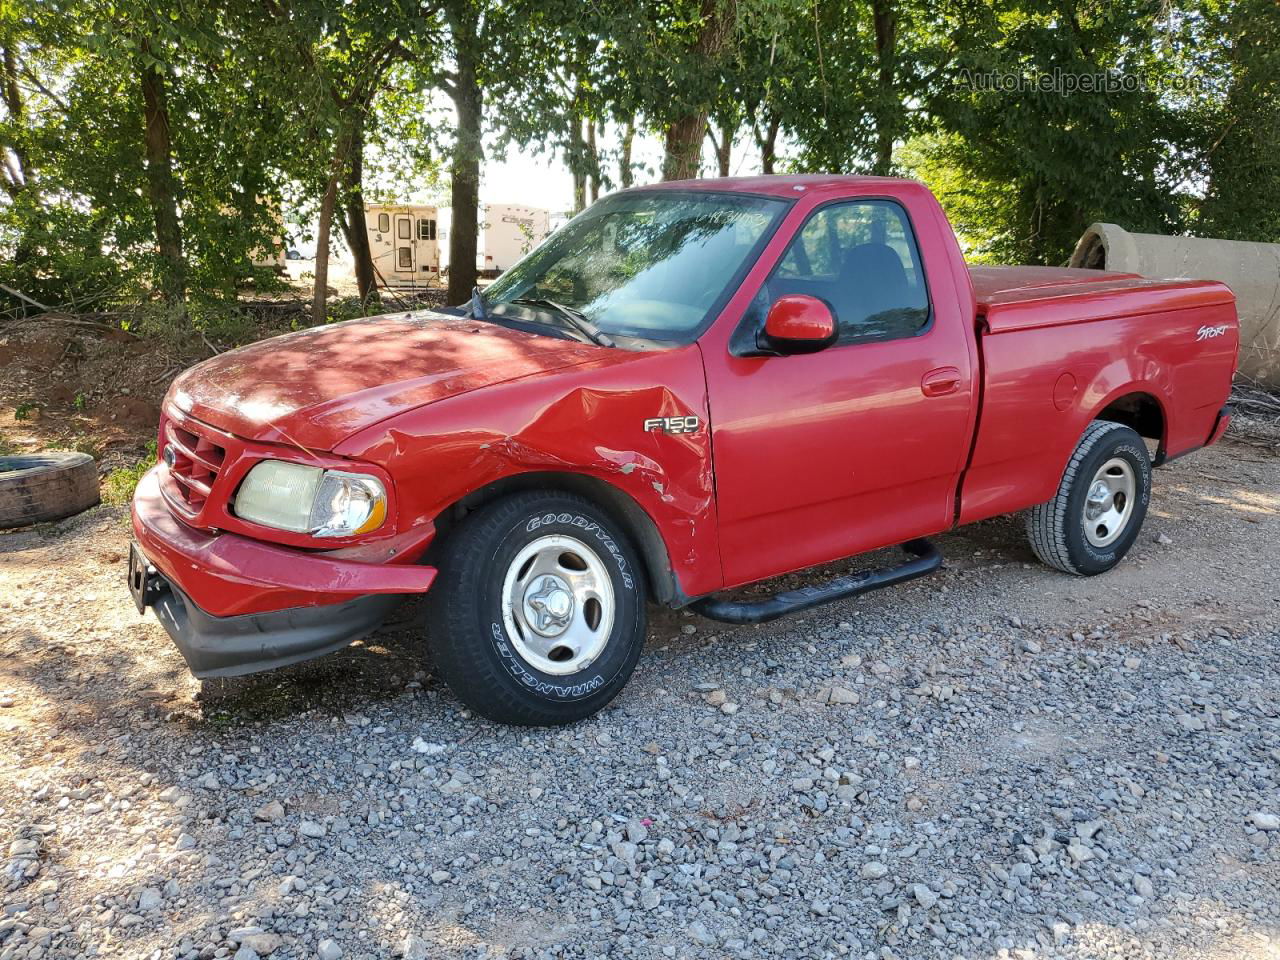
{"type": "Point", "coordinates": [377, 668]}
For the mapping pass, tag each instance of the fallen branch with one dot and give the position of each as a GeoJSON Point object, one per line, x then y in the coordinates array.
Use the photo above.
{"type": "Point", "coordinates": [22, 296]}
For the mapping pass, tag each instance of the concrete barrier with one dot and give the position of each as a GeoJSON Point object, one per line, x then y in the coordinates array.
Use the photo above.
{"type": "Point", "coordinates": [1251, 270]}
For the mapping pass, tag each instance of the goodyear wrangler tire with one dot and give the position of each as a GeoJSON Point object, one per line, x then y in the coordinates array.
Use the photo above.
{"type": "Point", "coordinates": [538, 614]}
{"type": "Point", "coordinates": [39, 487]}
{"type": "Point", "coordinates": [1091, 523]}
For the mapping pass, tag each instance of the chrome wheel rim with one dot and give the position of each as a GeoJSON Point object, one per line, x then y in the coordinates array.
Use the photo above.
{"type": "Point", "coordinates": [558, 604]}
{"type": "Point", "coordinates": [1108, 506]}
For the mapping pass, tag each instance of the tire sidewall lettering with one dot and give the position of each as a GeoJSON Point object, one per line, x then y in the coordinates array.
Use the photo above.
{"type": "Point", "coordinates": [587, 526]}
{"type": "Point", "coordinates": [545, 688]}
{"type": "Point", "coordinates": [1140, 464]}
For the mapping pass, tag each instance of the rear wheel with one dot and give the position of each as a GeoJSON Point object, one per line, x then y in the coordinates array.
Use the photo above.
{"type": "Point", "coordinates": [538, 615]}
{"type": "Point", "coordinates": [1101, 502]}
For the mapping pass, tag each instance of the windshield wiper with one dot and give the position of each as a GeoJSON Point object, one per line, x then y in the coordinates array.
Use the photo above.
{"type": "Point", "coordinates": [478, 309]}
{"type": "Point", "coordinates": [575, 319]}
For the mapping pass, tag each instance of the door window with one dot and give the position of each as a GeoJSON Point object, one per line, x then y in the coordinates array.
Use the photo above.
{"type": "Point", "coordinates": [860, 258]}
{"type": "Point", "coordinates": [406, 258]}
{"type": "Point", "coordinates": [404, 229]}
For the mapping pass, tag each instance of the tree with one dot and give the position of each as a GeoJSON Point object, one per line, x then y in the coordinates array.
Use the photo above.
{"type": "Point", "coordinates": [467, 35]}
{"type": "Point", "coordinates": [1049, 116]}
{"type": "Point", "coordinates": [858, 74]}
{"type": "Point", "coordinates": [144, 162]}
{"type": "Point", "coordinates": [1239, 122]}
{"type": "Point", "coordinates": [344, 55]}
{"type": "Point", "coordinates": [161, 186]}
{"type": "Point", "coordinates": [696, 63]}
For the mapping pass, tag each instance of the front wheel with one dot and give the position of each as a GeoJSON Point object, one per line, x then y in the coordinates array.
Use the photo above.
{"type": "Point", "coordinates": [1091, 523]}
{"type": "Point", "coordinates": [538, 614]}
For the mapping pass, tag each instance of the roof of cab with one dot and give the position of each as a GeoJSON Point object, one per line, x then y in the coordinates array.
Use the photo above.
{"type": "Point", "coordinates": [786, 186]}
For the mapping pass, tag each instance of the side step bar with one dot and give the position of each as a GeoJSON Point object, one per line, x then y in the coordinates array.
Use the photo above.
{"type": "Point", "coordinates": [927, 560]}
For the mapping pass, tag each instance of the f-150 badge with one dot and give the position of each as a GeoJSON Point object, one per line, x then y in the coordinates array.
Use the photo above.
{"type": "Point", "coordinates": [672, 424]}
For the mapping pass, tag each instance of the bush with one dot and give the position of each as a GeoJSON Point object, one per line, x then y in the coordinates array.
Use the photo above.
{"type": "Point", "coordinates": [119, 484]}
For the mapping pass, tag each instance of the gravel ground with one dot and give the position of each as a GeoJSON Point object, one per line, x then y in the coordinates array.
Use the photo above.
{"type": "Point", "coordinates": [999, 761]}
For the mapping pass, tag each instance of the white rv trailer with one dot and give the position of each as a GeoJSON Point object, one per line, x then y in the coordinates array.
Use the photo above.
{"type": "Point", "coordinates": [507, 231]}
{"type": "Point", "coordinates": [404, 243]}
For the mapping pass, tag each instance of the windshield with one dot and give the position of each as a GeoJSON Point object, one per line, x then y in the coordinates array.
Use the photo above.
{"type": "Point", "coordinates": [651, 264]}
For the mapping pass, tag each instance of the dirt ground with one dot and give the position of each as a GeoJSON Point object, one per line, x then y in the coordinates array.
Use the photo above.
{"type": "Point", "coordinates": [72, 384]}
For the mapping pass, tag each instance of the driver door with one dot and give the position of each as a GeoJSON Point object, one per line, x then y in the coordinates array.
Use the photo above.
{"type": "Point", "coordinates": [858, 446]}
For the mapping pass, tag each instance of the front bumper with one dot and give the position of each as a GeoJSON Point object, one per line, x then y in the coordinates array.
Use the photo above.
{"type": "Point", "coordinates": [251, 642]}
{"type": "Point", "coordinates": [234, 605]}
{"type": "Point", "coordinates": [227, 574]}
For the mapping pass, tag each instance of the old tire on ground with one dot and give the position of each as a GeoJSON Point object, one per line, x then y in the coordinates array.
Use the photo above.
{"type": "Point", "coordinates": [538, 614]}
{"type": "Point", "coordinates": [1097, 513]}
{"type": "Point", "coordinates": [36, 488]}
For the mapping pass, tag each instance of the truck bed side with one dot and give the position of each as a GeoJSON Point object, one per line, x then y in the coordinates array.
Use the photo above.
{"type": "Point", "coordinates": [1061, 347]}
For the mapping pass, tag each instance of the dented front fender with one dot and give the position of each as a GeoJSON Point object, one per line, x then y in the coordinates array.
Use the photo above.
{"type": "Point", "coordinates": [637, 421]}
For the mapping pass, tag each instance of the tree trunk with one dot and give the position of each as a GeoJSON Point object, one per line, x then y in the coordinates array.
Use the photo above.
{"type": "Point", "coordinates": [593, 163]}
{"type": "Point", "coordinates": [626, 176]}
{"type": "Point", "coordinates": [767, 141]}
{"type": "Point", "coordinates": [723, 147]}
{"type": "Point", "coordinates": [465, 179]}
{"type": "Point", "coordinates": [16, 160]}
{"type": "Point", "coordinates": [161, 189]}
{"type": "Point", "coordinates": [320, 294]}
{"type": "Point", "coordinates": [577, 165]}
{"type": "Point", "coordinates": [683, 136]}
{"type": "Point", "coordinates": [578, 145]}
{"type": "Point", "coordinates": [354, 230]}
{"type": "Point", "coordinates": [886, 24]}
{"type": "Point", "coordinates": [682, 147]}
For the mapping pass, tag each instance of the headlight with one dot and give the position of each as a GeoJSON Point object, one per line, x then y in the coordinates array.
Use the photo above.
{"type": "Point", "coordinates": [348, 504]}
{"type": "Point", "coordinates": [303, 499]}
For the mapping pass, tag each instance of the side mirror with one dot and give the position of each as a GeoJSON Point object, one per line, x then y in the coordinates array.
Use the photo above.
{"type": "Point", "coordinates": [797, 323]}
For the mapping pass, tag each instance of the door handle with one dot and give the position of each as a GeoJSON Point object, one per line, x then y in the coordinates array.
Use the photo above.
{"type": "Point", "coordinates": [940, 382]}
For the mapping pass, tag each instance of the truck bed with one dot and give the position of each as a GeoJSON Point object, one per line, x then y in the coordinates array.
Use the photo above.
{"type": "Point", "coordinates": [1058, 345]}
{"type": "Point", "coordinates": [1023, 298]}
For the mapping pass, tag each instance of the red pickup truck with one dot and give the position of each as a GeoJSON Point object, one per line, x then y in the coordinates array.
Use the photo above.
{"type": "Point", "coordinates": [688, 388]}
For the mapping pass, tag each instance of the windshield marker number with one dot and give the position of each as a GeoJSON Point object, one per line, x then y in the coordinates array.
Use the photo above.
{"type": "Point", "coordinates": [672, 424]}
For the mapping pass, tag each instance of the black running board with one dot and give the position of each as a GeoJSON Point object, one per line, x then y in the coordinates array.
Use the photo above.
{"type": "Point", "coordinates": [927, 560]}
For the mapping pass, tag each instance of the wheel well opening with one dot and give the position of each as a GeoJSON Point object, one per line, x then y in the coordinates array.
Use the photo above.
{"type": "Point", "coordinates": [1139, 411]}
{"type": "Point", "coordinates": [644, 534]}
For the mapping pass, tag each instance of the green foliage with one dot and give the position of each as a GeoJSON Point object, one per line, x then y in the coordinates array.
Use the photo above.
{"type": "Point", "coordinates": [119, 484]}
{"type": "Point", "coordinates": [1240, 123]}
{"type": "Point", "coordinates": [80, 228]}
{"type": "Point", "coordinates": [268, 107]}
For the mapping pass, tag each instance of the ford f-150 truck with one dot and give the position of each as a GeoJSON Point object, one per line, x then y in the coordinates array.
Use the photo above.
{"type": "Point", "coordinates": [688, 388]}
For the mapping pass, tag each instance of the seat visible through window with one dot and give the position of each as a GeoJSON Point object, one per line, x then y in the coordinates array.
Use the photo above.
{"type": "Point", "coordinates": [860, 257]}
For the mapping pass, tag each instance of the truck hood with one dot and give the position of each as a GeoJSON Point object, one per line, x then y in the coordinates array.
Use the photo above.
{"type": "Point", "coordinates": [316, 387]}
